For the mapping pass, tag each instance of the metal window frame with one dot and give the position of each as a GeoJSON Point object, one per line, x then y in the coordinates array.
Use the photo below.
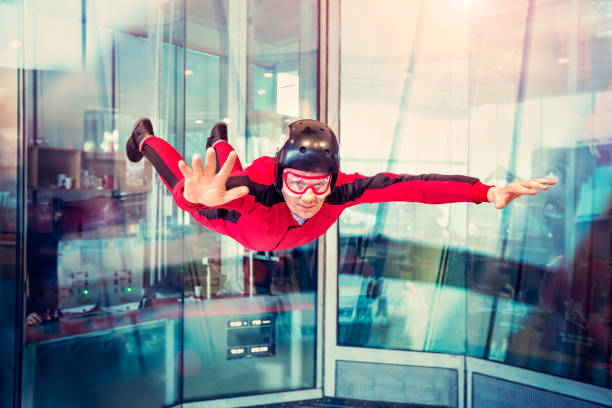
{"type": "Point", "coordinates": [323, 243]}
{"type": "Point", "coordinates": [329, 107]}
{"type": "Point", "coordinates": [23, 79]}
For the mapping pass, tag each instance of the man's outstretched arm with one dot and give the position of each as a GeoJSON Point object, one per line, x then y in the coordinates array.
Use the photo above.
{"type": "Point", "coordinates": [427, 188]}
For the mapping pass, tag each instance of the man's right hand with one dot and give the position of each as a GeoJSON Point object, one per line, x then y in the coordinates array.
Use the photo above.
{"type": "Point", "coordinates": [203, 186]}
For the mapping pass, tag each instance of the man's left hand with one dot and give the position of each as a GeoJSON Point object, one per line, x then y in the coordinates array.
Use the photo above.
{"type": "Point", "coordinates": [502, 196]}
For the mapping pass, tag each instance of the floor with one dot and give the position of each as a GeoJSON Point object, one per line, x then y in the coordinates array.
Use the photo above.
{"type": "Point", "coordinates": [342, 403]}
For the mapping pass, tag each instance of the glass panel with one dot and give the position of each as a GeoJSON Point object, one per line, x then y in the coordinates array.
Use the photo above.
{"type": "Point", "coordinates": [10, 202]}
{"type": "Point", "coordinates": [249, 315]}
{"type": "Point", "coordinates": [501, 93]}
{"type": "Point", "coordinates": [101, 238]}
{"type": "Point", "coordinates": [401, 274]}
{"type": "Point", "coordinates": [540, 272]}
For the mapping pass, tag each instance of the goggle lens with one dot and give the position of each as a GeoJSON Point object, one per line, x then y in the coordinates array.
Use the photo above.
{"type": "Point", "coordinates": [298, 184]}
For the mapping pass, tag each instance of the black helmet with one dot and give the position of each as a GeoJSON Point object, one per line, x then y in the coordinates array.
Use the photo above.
{"type": "Point", "coordinates": [310, 146]}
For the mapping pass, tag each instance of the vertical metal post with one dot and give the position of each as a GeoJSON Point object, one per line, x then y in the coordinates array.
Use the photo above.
{"type": "Point", "coordinates": [250, 273]}
{"type": "Point", "coordinates": [237, 13]}
{"type": "Point", "coordinates": [172, 381]}
{"type": "Point", "coordinates": [329, 105]}
{"type": "Point", "coordinates": [307, 64]}
{"type": "Point", "coordinates": [153, 205]}
{"type": "Point", "coordinates": [208, 295]}
{"type": "Point", "coordinates": [21, 193]}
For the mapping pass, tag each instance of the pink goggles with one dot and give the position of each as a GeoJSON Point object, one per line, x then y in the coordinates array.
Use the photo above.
{"type": "Point", "coordinates": [298, 184]}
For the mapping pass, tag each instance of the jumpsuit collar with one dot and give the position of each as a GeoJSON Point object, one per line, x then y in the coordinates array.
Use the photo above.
{"type": "Point", "coordinates": [298, 219]}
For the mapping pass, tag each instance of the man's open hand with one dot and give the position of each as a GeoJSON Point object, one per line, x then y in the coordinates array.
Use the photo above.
{"type": "Point", "coordinates": [501, 196]}
{"type": "Point", "coordinates": [203, 186]}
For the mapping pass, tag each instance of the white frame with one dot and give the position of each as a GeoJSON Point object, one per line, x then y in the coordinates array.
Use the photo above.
{"type": "Point", "coordinates": [330, 113]}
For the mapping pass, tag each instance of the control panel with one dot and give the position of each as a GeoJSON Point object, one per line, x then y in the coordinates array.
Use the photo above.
{"type": "Point", "coordinates": [252, 337]}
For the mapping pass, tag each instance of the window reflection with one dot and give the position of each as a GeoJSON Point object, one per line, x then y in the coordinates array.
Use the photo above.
{"type": "Point", "coordinates": [101, 242]}
{"type": "Point", "coordinates": [401, 281]}
{"type": "Point", "coordinates": [226, 286]}
{"type": "Point", "coordinates": [545, 280]}
{"type": "Point", "coordinates": [10, 219]}
{"type": "Point", "coordinates": [528, 286]}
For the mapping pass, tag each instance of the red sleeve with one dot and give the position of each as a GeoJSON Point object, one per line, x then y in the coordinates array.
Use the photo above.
{"type": "Point", "coordinates": [258, 178]}
{"type": "Point", "coordinates": [424, 188]}
{"type": "Point", "coordinates": [180, 200]}
{"type": "Point", "coordinates": [479, 192]}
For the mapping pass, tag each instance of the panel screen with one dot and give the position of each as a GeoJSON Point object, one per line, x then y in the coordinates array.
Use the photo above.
{"type": "Point", "coordinates": [250, 338]}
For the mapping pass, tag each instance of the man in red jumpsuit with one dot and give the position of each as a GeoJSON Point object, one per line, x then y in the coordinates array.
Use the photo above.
{"type": "Point", "coordinates": [291, 199]}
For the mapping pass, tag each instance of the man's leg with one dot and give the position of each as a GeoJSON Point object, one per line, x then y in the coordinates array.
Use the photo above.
{"type": "Point", "coordinates": [218, 141]}
{"type": "Point", "coordinates": [164, 157]}
{"type": "Point", "coordinates": [143, 142]}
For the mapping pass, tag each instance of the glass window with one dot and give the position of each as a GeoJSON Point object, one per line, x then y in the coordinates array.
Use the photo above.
{"type": "Point", "coordinates": [123, 289]}
{"type": "Point", "coordinates": [249, 315]}
{"type": "Point", "coordinates": [10, 202]}
{"type": "Point", "coordinates": [102, 236]}
{"type": "Point", "coordinates": [401, 281]}
{"type": "Point", "coordinates": [500, 93]}
{"type": "Point", "coordinates": [539, 276]}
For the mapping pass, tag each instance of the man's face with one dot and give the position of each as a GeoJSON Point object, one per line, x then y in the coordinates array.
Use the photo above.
{"type": "Point", "coordinates": [314, 188]}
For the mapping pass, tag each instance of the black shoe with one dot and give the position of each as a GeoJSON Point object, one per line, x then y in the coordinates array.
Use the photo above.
{"type": "Point", "coordinates": [142, 128]}
{"type": "Point", "coordinates": [218, 132]}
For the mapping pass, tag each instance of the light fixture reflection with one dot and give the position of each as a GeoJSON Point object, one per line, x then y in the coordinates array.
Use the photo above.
{"type": "Point", "coordinates": [188, 72]}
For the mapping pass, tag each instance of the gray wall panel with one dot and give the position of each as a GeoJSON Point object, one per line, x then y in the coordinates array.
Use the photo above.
{"type": "Point", "coordinates": [490, 392]}
{"type": "Point", "coordinates": [397, 383]}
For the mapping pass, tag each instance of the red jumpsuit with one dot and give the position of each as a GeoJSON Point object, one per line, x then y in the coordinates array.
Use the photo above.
{"type": "Point", "coordinates": [262, 221]}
